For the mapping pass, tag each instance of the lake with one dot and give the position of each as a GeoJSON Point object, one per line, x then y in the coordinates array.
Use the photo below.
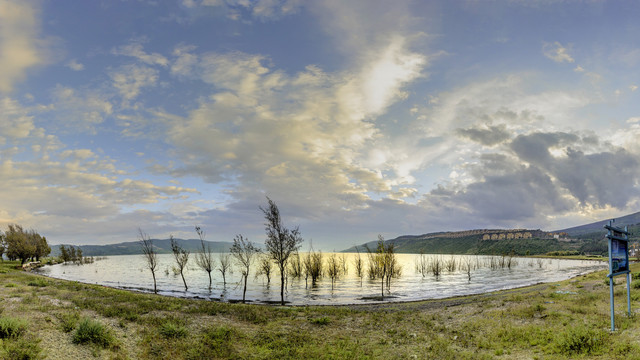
{"type": "Point", "coordinates": [487, 274]}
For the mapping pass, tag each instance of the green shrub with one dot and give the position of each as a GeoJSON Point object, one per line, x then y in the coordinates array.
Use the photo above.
{"type": "Point", "coordinates": [172, 330]}
{"type": "Point", "coordinates": [90, 331]}
{"type": "Point", "coordinates": [635, 284]}
{"type": "Point", "coordinates": [21, 349]}
{"type": "Point", "coordinates": [68, 321]}
{"type": "Point", "coordinates": [216, 342]}
{"type": "Point", "coordinates": [10, 285]}
{"type": "Point", "coordinates": [38, 282]}
{"type": "Point", "coordinates": [581, 340]}
{"type": "Point", "coordinates": [12, 328]}
{"type": "Point", "coordinates": [320, 321]}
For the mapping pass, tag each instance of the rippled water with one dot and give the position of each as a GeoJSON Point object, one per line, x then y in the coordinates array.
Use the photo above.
{"type": "Point", "coordinates": [130, 272]}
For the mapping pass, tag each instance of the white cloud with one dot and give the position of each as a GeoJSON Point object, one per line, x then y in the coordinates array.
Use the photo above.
{"type": "Point", "coordinates": [556, 52]}
{"type": "Point", "coordinates": [134, 49]}
{"type": "Point", "coordinates": [79, 110]}
{"type": "Point", "coordinates": [74, 65]}
{"type": "Point", "coordinates": [21, 46]}
{"type": "Point", "coordinates": [15, 121]}
{"type": "Point", "coordinates": [130, 79]}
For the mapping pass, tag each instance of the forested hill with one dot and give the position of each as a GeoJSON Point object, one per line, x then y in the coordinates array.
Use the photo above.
{"type": "Point", "coordinates": [162, 246]}
{"type": "Point", "coordinates": [496, 242]}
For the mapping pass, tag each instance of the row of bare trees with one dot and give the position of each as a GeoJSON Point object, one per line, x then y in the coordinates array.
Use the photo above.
{"type": "Point", "coordinates": [280, 244]}
{"type": "Point", "coordinates": [281, 249]}
{"type": "Point", "coordinates": [437, 264]}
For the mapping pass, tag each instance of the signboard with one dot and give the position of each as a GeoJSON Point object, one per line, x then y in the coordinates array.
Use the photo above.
{"type": "Point", "coordinates": [618, 262]}
{"type": "Point", "coordinates": [619, 256]}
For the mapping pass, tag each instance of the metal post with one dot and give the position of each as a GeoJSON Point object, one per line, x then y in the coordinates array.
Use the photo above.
{"type": "Point", "coordinates": [626, 236]}
{"type": "Point", "coordinates": [629, 293]}
{"type": "Point", "coordinates": [613, 326]}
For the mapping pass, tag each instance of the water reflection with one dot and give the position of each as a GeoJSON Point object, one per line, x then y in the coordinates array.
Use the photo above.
{"type": "Point", "coordinates": [470, 275]}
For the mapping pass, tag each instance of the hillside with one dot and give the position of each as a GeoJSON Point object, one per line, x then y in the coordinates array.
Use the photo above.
{"type": "Point", "coordinates": [587, 239]}
{"type": "Point", "coordinates": [598, 226]}
{"type": "Point", "coordinates": [162, 246]}
{"type": "Point", "coordinates": [481, 241]}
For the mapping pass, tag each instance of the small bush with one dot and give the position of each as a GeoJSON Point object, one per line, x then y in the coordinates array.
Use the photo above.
{"type": "Point", "coordinates": [216, 342]}
{"type": "Point", "coordinates": [581, 340]}
{"type": "Point", "coordinates": [38, 283]}
{"type": "Point", "coordinates": [68, 321]}
{"type": "Point", "coordinates": [10, 285]}
{"type": "Point", "coordinates": [320, 321]}
{"type": "Point", "coordinates": [635, 284]}
{"type": "Point", "coordinates": [12, 328]}
{"type": "Point", "coordinates": [21, 349]}
{"type": "Point", "coordinates": [90, 331]}
{"type": "Point", "coordinates": [172, 330]}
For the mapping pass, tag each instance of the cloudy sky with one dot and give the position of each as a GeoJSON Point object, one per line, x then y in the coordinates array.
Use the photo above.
{"type": "Point", "coordinates": [355, 117]}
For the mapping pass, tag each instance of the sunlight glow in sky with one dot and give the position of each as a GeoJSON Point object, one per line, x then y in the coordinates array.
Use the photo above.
{"type": "Point", "coordinates": [355, 117]}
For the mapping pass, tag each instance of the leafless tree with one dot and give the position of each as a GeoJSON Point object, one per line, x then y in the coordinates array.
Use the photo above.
{"type": "Point", "coordinates": [344, 267]}
{"type": "Point", "coordinates": [281, 242]}
{"type": "Point", "coordinates": [333, 268]}
{"type": "Point", "coordinates": [467, 266]}
{"type": "Point", "coordinates": [204, 259]}
{"type": "Point", "coordinates": [295, 268]}
{"type": "Point", "coordinates": [357, 262]}
{"type": "Point", "coordinates": [422, 264]}
{"type": "Point", "coordinates": [224, 266]}
{"type": "Point", "coordinates": [264, 267]}
{"type": "Point", "coordinates": [243, 250]}
{"type": "Point", "coordinates": [149, 253]}
{"type": "Point", "coordinates": [181, 256]}
{"type": "Point", "coordinates": [383, 263]}
{"type": "Point", "coordinates": [312, 265]}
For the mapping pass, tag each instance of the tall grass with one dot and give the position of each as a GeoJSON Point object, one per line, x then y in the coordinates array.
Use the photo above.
{"type": "Point", "coordinates": [12, 327]}
{"type": "Point", "coordinates": [93, 332]}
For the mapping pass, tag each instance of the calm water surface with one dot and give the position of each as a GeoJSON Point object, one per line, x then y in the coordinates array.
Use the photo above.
{"type": "Point", "coordinates": [130, 272]}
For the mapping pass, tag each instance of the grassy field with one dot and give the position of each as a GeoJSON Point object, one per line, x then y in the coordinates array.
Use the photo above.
{"type": "Point", "coordinates": [56, 319]}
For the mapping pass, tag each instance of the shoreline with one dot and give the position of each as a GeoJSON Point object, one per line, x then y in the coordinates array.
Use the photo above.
{"type": "Point", "coordinates": [365, 302]}
{"type": "Point", "coordinates": [554, 320]}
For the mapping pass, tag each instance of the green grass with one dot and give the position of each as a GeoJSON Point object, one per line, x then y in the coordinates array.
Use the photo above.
{"type": "Point", "coordinates": [21, 349]}
{"type": "Point", "coordinates": [12, 327]}
{"type": "Point", "coordinates": [93, 332]}
{"type": "Point", "coordinates": [38, 282]}
{"type": "Point", "coordinates": [569, 319]}
{"type": "Point", "coordinates": [171, 329]}
{"type": "Point", "coordinates": [69, 321]}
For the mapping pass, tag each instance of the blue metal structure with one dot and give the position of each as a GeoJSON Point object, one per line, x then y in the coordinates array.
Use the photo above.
{"type": "Point", "coordinates": [618, 261]}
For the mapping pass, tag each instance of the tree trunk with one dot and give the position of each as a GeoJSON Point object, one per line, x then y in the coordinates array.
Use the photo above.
{"type": "Point", "coordinates": [155, 289]}
{"type": "Point", "coordinates": [209, 280]}
{"type": "Point", "coordinates": [184, 281]}
{"type": "Point", "coordinates": [244, 291]}
{"type": "Point", "coordinates": [282, 287]}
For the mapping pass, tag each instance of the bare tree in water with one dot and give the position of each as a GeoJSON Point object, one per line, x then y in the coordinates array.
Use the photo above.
{"type": "Point", "coordinates": [149, 255]}
{"type": "Point", "coordinates": [204, 259]}
{"type": "Point", "coordinates": [182, 258]}
{"type": "Point", "coordinates": [281, 242]}
{"type": "Point", "coordinates": [244, 251]}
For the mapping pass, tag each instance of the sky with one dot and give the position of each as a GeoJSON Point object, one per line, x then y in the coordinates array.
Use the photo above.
{"type": "Point", "coordinates": [357, 118]}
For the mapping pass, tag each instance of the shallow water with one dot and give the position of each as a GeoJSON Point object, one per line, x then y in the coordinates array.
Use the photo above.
{"type": "Point", "coordinates": [130, 272]}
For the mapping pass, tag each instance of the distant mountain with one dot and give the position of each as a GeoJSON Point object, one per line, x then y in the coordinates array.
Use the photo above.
{"type": "Point", "coordinates": [162, 246]}
{"type": "Point", "coordinates": [598, 226]}
{"type": "Point", "coordinates": [479, 241]}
